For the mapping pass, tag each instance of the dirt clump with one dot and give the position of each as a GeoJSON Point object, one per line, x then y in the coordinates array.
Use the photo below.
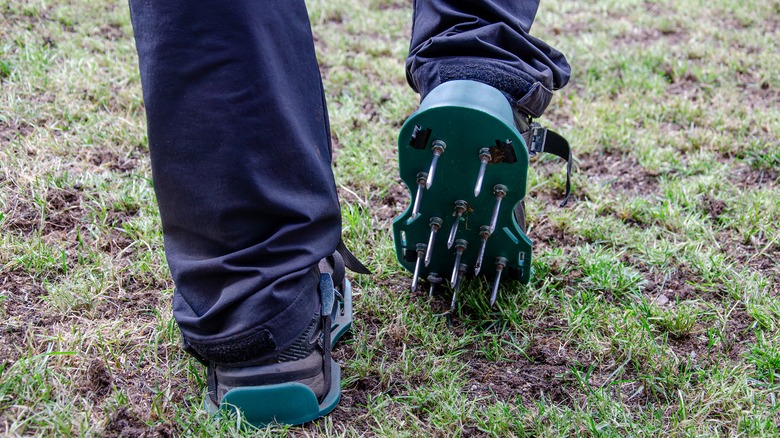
{"type": "Point", "coordinates": [98, 380]}
{"type": "Point", "coordinates": [713, 207]}
{"type": "Point", "coordinates": [126, 423]}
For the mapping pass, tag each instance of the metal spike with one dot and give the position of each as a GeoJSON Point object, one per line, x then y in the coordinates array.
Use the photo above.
{"type": "Point", "coordinates": [462, 268]}
{"type": "Point", "coordinates": [460, 246]}
{"type": "Point", "coordinates": [499, 190]}
{"type": "Point", "coordinates": [433, 279]}
{"type": "Point", "coordinates": [484, 234]}
{"type": "Point", "coordinates": [484, 158]}
{"type": "Point", "coordinates": [421, 177]}
{"type": "Point", "coordinates": [437, 147]}
{"type": "Point", "coordinates": [460, 207]}
{"type": "Point", "coordinates": [420, 254]}
{"type": "Point", "coordinates": [500, 264]}
{"type": "Point", "coordinates": [435, 224]}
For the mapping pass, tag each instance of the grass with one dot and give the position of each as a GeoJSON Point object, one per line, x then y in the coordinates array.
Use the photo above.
{"type": "Point", "coordinates": [654, 310]}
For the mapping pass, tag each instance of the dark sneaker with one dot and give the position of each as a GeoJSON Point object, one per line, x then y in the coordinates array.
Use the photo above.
{"type": "Point", "coordinates": [302, 382]}
{"type": "Point", "coordinates": [302, 362]}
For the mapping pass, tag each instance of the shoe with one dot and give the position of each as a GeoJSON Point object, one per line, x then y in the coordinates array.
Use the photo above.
{"type": "Point", "coordinates": [464, 157]}
{"type": "Point", "coordinates": [302, 382]}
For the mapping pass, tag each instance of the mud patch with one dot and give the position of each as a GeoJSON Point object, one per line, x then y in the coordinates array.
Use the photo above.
{"type": "Point", "coordinates": [620, 172]}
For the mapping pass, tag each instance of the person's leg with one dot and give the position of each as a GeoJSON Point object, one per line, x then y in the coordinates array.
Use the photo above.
{"type": "Point", "coordinates": [240, 151]}
{"type": "Point", "coordinates": [488, 42]}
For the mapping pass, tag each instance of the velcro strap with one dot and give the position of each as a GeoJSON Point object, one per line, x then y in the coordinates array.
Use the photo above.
{"type": "Point", "coordinates": [548, 141]}
{"type": "Point", "coordinates": [327, 294]}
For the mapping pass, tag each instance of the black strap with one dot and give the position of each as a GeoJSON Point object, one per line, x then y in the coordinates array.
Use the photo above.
{"type": "Point", "coordinates": [350, 261]}
{"type": "Point", "coordinates": [542, 139]}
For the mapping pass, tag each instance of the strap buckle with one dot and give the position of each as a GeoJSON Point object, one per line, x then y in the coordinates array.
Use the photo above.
{"type": "Point", "coordinates": [538, 139]}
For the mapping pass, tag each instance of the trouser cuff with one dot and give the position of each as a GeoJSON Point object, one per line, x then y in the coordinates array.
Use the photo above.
{"type": "Point", "coordinates": [524, 93]}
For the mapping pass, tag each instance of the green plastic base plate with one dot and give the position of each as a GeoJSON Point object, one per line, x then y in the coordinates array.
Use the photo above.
{"type": "Point", "coordinates": [290, 403]}
{"type": "Point", "coordinates": [467, 124]}
{"type": "Point", "coordinates": [284, 403]}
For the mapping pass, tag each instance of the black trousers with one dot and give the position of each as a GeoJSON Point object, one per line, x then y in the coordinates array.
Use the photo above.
{"type": "Point", "coordinates": [240, 145]}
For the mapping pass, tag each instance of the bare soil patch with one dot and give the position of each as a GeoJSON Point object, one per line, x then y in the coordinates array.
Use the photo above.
{"type": "Point", "coordinates": [105, 158]}
{"type": "Point", "coordinates": [62, 211]}
{"type": "Point", "coordinates": [547, 235]}
{"type": "Point", "coordinates": [126, 423]}
{"type": "Point", "coordinates": [713, 207]}
{"type": "Point", "coordinates": [528, 381]}
{"type": "Point", "coordinates": [675, 284]}
{"type": "Point", "coordinates": [745, 176]}
{"type": "Point", "coordinates": [392, 204]}
{"type": "Point", "coordinates": [619, 171]}
{"type": "Point", "coordinates": [758, 254]}
{"type": "Point", "coordinates": [22, 299]}
{"type": "Point", "coordinates": [645, 37]}
{"type": "Point", "coordinates": [11, 130]}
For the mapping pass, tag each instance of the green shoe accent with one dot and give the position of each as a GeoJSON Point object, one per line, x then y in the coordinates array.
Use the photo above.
{"type": "Point", "coordinates": [466, 122]}
{"type": "Point", "coordinates": [284, 403]}
{"type": "Point", "coordinates": [342, 315]}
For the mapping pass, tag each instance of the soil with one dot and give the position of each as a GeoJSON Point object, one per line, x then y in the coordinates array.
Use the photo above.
{"type": "Point", "coordinates": [126, 423]}
{"type": "Point", "coordinates": [97, 381]}
{"type": "Point", "coordinates": [392, 204]}
{"type": "Point", "coordinates": [11, 130]}
{"type": "Point", "coordinates": [543, 371]}
{"type": "Point", "coordinates": [620, 172]}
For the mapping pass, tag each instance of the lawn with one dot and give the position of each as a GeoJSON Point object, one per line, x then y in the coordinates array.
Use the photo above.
{"type": "Point", "coordinates": [654, 309]}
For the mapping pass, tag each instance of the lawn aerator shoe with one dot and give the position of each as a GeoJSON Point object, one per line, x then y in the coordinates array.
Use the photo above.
{"type": "Point", "coordinates": [465, 163]}
{"type": "Point", "coordinates": [303, 382]}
